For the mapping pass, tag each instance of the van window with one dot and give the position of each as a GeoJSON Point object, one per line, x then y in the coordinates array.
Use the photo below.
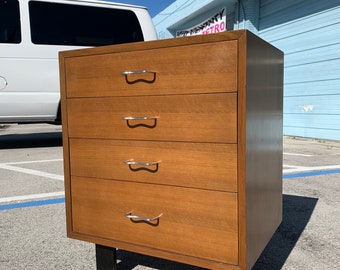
{"type": "Point", "coordinates": [10, 30]}
{"type": "Point", "coordinates": [64, 24]}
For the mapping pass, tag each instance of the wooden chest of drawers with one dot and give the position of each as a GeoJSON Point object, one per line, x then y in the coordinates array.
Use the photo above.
{"type": "Point", "coordinates": [173, 148]}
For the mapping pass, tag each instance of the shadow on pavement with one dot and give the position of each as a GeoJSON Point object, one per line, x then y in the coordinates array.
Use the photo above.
{"type": "Point", "coordinates": [48, 139]}
{"type": "Point", "coordinates": [296, 214]}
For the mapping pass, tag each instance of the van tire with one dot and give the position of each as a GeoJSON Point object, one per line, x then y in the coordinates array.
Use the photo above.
{"type": "Point", "coordinates": [58, 118]}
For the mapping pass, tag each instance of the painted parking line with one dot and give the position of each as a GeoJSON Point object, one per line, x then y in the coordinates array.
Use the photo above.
{"type": "Point", "coordinates": [32, 172]}
{"type": "Point", "coordinates": [15, 202]}
{"type": "Point", "coordinates": [12, 167]}
{"type": "Point", "coordinates": [297, 154]}
{"type": "Point", "coordinates": [33, 161]}
{"type": "Point", "coordinates": [301, 169]}
{"type": "Point", "coordinates": [31, 204]}
{"type": "Point", "coordinates": [310, 173]}
{"type": "Point", "coordinates": [32, 197]}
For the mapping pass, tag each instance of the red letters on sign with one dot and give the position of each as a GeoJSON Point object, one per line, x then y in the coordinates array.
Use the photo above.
{"type": "Point", "coordinates": [219, 27]}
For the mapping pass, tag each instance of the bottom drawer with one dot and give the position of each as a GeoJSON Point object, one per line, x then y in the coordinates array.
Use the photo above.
{"type": "Point", "coordinates": [193, 222]}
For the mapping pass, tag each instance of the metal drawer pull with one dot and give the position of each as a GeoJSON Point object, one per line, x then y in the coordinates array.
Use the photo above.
{"type": "Point", "coordinates": [143, 166]}
{"type": "Point", "coordinates": [132, 118]}
{"type": "Point", "coordinates": [138, 72]}
{"type": "Point", "coordinates": [135, 218]}
{"type": "Point", "coordinates": [140, 163]}
{"type": "Point", "coordinates": [142, 71]}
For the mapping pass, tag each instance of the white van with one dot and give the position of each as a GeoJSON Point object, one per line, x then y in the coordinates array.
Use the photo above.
{"type": "Point", "coordinates": [32, 32]}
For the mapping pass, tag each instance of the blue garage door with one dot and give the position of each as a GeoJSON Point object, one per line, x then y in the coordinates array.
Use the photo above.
{"type": "Point", "coordinates": [309, 34]}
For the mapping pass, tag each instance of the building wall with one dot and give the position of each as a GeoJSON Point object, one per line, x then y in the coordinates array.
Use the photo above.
{"type": "Point", "coordinates": [308, 32]}
{"type": "Point", "coordinates": [187, 13]}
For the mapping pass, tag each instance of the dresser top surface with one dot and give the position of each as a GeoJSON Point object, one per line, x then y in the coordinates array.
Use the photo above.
{"type": "Point", "coordinates": [224, 36]}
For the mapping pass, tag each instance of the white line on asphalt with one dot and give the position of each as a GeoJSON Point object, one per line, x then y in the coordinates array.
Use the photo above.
{"type": "Point", "coordinates": [32, 197]}
{"type": "Point", "coordinates": [33, 161]}
{"type": "Point", "coordinates": [32, 172]}
{"type": "Point", "coordinates": [285, 166]}
{"type": "Point", "coordinates": [296, 169]}
{"type": "Point", "coordinates": [296, 154]}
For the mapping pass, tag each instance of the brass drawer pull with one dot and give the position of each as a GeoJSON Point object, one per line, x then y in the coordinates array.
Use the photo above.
{"type": "Point", "coordinates": [143, 165]}
{"type": "Point", "coordinates": [135, 218]}
{"type": "Point", "coordinates": [128, 120]}
{"type": "Point", "coordinates": [138, 72]}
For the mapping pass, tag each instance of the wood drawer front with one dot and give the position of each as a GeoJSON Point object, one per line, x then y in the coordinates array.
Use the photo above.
{"type": "Point", "coordinates": [190, 69]}
{"type": "Point", "coordinates": [194, 222]}
{"type": "Point", "coordinates": [199, 165]}
{"type": "Point", "coordinates": [195, 118]}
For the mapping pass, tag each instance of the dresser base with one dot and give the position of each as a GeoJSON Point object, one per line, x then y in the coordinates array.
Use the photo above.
{"type": "Point", "coordinates": [106, 258]}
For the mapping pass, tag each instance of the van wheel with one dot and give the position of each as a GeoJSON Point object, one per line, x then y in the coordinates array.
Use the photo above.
{"type": "Point", "coordinates": [58, 118]}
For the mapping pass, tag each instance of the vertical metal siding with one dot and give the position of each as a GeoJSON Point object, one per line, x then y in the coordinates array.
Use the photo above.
{"type": "Point", "coordinates": [309, 34]}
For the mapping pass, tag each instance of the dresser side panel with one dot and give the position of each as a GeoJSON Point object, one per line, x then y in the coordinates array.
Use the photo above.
{"type": "Point", "coordinates": [263, 144]}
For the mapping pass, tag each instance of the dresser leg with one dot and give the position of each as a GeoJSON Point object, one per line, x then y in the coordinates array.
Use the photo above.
{"type": "Point", "coordinates": [106, 258]}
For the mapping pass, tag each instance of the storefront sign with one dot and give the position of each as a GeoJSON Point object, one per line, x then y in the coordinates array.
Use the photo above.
{"type": "Point", "coordinates": [214, 24]}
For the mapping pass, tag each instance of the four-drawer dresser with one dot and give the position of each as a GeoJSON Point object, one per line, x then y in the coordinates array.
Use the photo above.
{"type": "Point", "coordinates": [173, 148]}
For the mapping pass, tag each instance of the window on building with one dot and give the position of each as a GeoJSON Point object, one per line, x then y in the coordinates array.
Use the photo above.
{"type": "Point", "coordinates": [64, 24]}
{"type": "Point", "coordinates": [10, 30]}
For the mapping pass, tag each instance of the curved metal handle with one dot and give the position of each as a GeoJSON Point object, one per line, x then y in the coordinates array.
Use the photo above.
{"type": "Point", "coordinates": [142, 71]}
{"type": "Point", "coordinates": [143, 118]}
{"type": "Point", "coordinates": [131, 118]}
{"type": "Point", "coordinates": [141, 163]}
{"type": "Point", "coordinates": [150, 79]}
{"type": "Point", "coordinates": [141, 218]}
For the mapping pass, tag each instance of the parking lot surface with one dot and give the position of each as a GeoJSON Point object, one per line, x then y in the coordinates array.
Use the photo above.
{"type": "Point", "coordinates": [32, 214]}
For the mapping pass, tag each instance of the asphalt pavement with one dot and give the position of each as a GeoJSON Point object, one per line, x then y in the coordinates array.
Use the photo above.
{"type": "Point", "coordinates": [32, 214]}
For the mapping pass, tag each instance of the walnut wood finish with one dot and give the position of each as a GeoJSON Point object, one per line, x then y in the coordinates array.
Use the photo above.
{"type": "Point", "coordinates": [199, 165]}
{"type": "Point", "coordinates": [190, 219]}
{"type": "Point", "coordinates": [178, 71]}
{"type": "Point", "coordinates": [217, 136]}
{"type": "Point", "coordinates": [194, 118]}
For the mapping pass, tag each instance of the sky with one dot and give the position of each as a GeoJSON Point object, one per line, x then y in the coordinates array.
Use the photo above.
{"type": "Point", "coordinates": [154, 6]}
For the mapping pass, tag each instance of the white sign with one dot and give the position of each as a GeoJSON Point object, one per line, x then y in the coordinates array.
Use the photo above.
{"type": "Point", "coordinates": [214, 24]}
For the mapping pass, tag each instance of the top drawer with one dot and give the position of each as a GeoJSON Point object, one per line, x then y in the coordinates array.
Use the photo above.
{"type": "Point", "coordinates": [202, 68]}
